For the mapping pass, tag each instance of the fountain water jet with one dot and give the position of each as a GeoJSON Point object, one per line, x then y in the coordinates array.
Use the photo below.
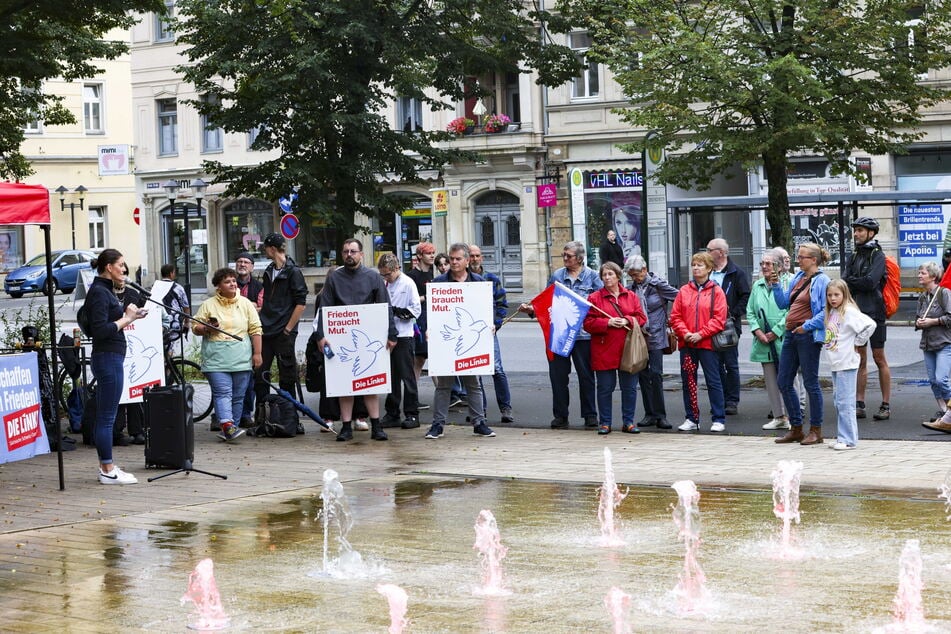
{"type": "Point", "coordinates": [945, 494]}
{"type": "Point", "coordinates": [609, 499]}
{"type": "Point", "coordinates": [203, 593]}
{"type": "Point", "coordinates": [491, 553]}
{"type": "Point", "coordinates": [786, 480]}
{"type": "Point", "coordinates": [690, 590]}
{"type": "Point", "coordinates": [618, 604]}
{"type": "Point", "coordinates": [909, 613]}
{"type": "Point", "coordinates": [397, 599]}
{"type": "Point", "coordinates": [335, 517]}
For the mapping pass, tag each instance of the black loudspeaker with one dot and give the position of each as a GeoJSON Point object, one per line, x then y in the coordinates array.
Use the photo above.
{"type": "Point", "coordinates": [169, 427]}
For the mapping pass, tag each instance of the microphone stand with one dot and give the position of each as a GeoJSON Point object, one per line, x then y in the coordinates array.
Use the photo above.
{"type": "Point", "coordinates": [187, 466]}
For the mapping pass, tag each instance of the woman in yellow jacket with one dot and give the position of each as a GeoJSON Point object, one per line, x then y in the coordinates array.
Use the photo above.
{"type": "Point", "coordinates": [228, 362]}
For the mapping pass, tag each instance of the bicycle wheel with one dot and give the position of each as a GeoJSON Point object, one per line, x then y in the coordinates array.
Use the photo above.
{"type": "Point", "coordinates": [192, 374]}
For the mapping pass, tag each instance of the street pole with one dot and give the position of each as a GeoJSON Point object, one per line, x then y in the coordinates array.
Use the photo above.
{"type": "Point", "coordinates": [61, 190]}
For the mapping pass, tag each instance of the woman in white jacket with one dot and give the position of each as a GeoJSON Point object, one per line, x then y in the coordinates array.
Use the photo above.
{"type": "Point", "coordinates": [846, 328]}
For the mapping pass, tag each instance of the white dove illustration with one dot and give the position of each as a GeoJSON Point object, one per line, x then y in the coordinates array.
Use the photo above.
{"type": "Point", "coordinates": [467, 334]}
{"type": "Point", "coordinates": [139, 358]}
{"type": "Point", "coordinates": [563, 313]}
{"type": "Point", "coordinates": [363, 353]}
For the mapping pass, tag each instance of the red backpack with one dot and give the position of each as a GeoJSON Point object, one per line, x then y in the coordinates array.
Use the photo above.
{"type": "Point", "coordinates": [892, 287]}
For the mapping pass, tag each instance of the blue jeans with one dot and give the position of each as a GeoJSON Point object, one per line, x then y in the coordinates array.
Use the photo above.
{"type": "Point", "coordinates": [473, 398]}
{"type": "Point", "coordinates": [606, 380]}
{"type": "Point", "coordinates": [690, 359]}
{"type": "Point", "coordinates": [108, 369]}
{"type": "Point", "coordinates": [938, 364]}
{"type": "Point", "coordinates": [843, 385]}
{"type": "Point", "coordinates": [227, 392]}
{"type": "Point", "coordinates": [729, 362]}
{"type": "Point", "coordinates": [800, 351]}
{"type": "Point", "coordinates": [503, 396]}
{"type": "Point", "coordinates": [559, 369]}
{"type": "Point", "coordinates": [651, 380]}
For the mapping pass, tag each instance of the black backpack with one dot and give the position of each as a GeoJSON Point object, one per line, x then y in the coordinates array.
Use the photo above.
{"type": "Point", "coordinates": [276, 417]}
{"type": "Point", "coordinates": [314, 379]}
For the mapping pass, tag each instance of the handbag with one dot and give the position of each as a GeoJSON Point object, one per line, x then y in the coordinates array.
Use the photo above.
{"type": "Point", "coordinates": [634, 356]}
{"type": "Point", "coordinates": [726, 338]}
{"type": "Point", "coordinates": [671, 342]}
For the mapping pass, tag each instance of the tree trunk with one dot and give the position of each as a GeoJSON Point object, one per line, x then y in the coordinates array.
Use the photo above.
{"type": "Point", "coordinates": [775, 166]}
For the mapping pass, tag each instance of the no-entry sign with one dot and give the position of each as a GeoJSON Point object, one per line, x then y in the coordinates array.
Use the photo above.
{"type": "Point", "coordinates": [135, 215]}
{"type": "Point", "coordinates": [290, 226]}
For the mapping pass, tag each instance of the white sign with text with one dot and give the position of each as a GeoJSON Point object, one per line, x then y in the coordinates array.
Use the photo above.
{"type": "Point", "coordinates": [357, 336]}
{"type": "Point", "coordinates": [460, 328]}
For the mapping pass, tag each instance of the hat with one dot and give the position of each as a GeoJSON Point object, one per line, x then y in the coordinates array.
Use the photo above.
{"type": "Point", "coordinates": [274, 240]}
{"type": "Point", "coordinates": [244, 255]}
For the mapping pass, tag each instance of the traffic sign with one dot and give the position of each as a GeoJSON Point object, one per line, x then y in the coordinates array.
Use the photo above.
{"type": "Point", "coordinates": [287, 202]}
{"type": "Point", "coordinates": [290, 226]}
{"type": "Point", "coordinates": [135, 215]}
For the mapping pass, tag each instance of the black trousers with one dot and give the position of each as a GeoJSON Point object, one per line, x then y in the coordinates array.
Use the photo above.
{"type": "Point", "coordinates": [403, 376]}
{"type": "Point", "coordinates": [280, 346]}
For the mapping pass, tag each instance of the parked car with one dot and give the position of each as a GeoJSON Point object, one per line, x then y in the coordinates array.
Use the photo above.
{"type": "Point", "coordinates": [31, 277]}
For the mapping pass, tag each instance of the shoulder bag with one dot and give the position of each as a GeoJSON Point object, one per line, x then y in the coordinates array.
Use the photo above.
{"type": "Point", "coordinates": [635, 356]}
{"type": "Point", "coordinates": [728, 337]}
{"type": "Point", "coordinates": [671, 342]}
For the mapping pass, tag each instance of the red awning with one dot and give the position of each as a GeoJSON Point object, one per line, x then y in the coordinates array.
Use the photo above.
{"type": "Point", "coordinates": [22, 204]}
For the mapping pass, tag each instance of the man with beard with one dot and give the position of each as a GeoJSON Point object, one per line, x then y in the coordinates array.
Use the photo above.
{"type": "Point", "coordinates": [350, 285]}
{"type": "Point", "coordinates": [865, 275]}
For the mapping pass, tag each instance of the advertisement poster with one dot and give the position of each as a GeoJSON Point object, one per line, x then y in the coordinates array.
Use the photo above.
{"type": "Point", "coordinates": [144, 360]}
{"type": "Point", "coordinates": [460, 328]}
{"type": "Point", "coordinates": [24, 434]}
{"type": "Point", "coordinates": [819, 225]}
{"type": "Point", "coordinates": [610, 200]}
{"type": "Point", "coordinates": [924, 230]}
{"type": "Point", "coordinates": [357, 336]}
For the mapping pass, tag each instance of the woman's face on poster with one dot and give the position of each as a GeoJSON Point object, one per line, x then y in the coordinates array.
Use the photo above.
{"type": "Point", "coordinates": [625, 226]}
{"type": "Point", "coordinates": [4, 242]}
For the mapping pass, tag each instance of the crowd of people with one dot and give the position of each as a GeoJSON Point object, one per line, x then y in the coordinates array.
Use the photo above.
{"type": "Point", "coordinates": [792, 317]}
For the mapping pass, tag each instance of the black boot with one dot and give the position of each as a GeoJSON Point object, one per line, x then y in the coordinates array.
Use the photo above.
{"type": "Point", "coordinates": [346, 432]}
{"type": "Point", "coordinates": [376, 430]}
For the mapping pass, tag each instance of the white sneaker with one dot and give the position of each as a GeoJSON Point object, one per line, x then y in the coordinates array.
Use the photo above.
{"type": "Point", "coordinates": [718, 427]}
{"type": "Point", "coordinates": [841, 446]}
{"type": "Point", "coordinates": [689, 425]}
{"type": "Point", "coordinates": [116, 476]}
{"type": "Point", "coordinates": [777, 423]}
{"type": "Point", "coordinates": [361, 424]}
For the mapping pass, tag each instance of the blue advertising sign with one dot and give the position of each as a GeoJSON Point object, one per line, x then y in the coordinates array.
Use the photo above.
{"type": "Point", "coordinates": [24, 434]}
{"type": "Point", "coordinates": [919, 235]}
{"type": "Point", "coordinates": [927, 251]}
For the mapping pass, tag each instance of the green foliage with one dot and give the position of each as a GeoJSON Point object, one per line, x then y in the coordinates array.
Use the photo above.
{"type": "Point", "coordinates": [749, 81]}
{"type": "Point", "coordinates": [315, 77]}
{"type": "Point", "coordinates": [36, 313]}
{"type": "Point", "coordinates": [43, 39]}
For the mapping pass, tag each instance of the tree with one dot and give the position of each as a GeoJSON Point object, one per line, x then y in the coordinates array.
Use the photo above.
{"type": "Point", "coordinates": [43, 39]}
{"type": "Point", "coordinates": [726, 82]}
{"type": "Point", "coordinates": [314, 77]}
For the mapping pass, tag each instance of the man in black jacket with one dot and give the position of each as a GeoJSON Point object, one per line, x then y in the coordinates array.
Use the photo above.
{"type": "Point", "coordinates": [285, 297]}
{"type": "Point", "coordinates": [735, 283]}
{"type": "Point", "coordinates": [611, 251]}
{"type": "Point", "coordinates": [865, 275]}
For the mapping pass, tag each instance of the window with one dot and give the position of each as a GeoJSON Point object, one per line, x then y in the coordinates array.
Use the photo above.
{"type": "Point", "coordinates": [409, 114]}
{"type": "Point", "coordinates": [167, 126]}
{"type": "Point", "coordinates": [586, 84]}
{"type": "Point", "coordinates": [92, 108]}
{"type": "Point", "coordinates": [34, 125]}
{"type": "Point", "coordinates": [163, 27]}
{"type": "Point", "coordinates": [97, 227]}
{"type": "Point", "coordinates": [253, 135]}
{"type": "Point", "coordinates": [212, 138]}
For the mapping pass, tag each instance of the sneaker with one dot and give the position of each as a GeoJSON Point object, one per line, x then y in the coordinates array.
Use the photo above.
{"type": "Point", "coordinates": [435, 431]}
{"type": "Point", "coordinates": [730, 409]}
{"type": "Point", "coordinates": [938, 425]}
{"type": "Point", "coordinates": [937, 416]}
{"type": "Point", "coordinates": [423, 406]}
{"type": "Point", "coordinates": [604, 430]}
{"type": "Point", "coordinates": [860, 409]}
{"type": "Point", "coordinates": [388, 421]}
{"type": "Point", "coordinates": [717, 427]}
{"type": "Point", "coordinates": [230, 432]}
{"type": "Point", "coordinates": [777, 423]}
{"type": "Point", "coordinates": [559, 423]}
{"type": "Point", "coordinates": [116, 476]}
{"type": "Point", "coordinates": [361, 424]}
{"type": "Point", "coordinates": [410, 422]}
{"type": "Point", "coordinates": [631, 429]}
{"type": "Point", "coordinates": [507, 416]}
{"type": "Point", "coordinates": [456, 402]}
{"type": "Point", "coordinates": [689, 425]}
{"type": "Point", "coordinates": [841, 446]}
{"type": "Point", "coordinates": [884, 412]}
{"type": "Point", "coordinates": [329, 428]}
{"type": "Point", "coordinates": [483, 430]}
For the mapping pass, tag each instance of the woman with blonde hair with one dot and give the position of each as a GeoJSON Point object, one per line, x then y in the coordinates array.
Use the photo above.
{"type": "Point", "coordinates": [805, 300]}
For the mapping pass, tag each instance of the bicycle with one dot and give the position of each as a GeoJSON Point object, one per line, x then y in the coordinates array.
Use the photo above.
{"type": "Point", "coordinates": [178, 371]}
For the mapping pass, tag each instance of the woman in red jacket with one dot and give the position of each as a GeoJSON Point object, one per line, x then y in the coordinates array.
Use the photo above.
{"type": "Point", "coordinates": [620, 310]}
{"type": "Point", "coordinates": [699, 312]}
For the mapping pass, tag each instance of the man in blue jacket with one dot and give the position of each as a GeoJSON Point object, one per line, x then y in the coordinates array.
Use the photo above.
{"type": "Point", "coordinates": [503, 395]}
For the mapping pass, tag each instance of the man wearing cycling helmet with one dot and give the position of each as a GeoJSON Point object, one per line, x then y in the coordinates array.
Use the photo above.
{"type": "Point", "coordinates": [865, 275]}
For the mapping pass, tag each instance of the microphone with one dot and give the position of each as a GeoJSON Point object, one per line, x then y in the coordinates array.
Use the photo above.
{"type": "Point", "coordinates": [138, 288]}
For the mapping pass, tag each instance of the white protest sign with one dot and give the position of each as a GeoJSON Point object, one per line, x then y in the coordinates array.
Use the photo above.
{"type": "Point", "coordinates": [357, 335]}
{"type": "Point", "coordinates": [460, 328]}
{"type": "Point", "coordinates": [144, 360]}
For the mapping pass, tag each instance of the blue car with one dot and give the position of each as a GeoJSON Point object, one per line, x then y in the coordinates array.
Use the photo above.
{"type": "Point", "coordinates": [31, 277]}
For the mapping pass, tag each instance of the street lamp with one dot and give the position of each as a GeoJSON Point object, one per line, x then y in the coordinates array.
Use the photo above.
{"type": "Point", "coordinates": [61, 190]}
{"type": "Point", "coordinates": [171, 188]}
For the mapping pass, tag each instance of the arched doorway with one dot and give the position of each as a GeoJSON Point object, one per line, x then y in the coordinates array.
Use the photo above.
{"type": "Point", "coordinates": [498, 233]}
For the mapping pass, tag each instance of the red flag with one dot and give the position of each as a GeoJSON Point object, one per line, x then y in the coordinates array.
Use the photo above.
{"type": "Point", "coordinates": [542, 305]}
{"type": "Point", "coordinates": [946, 279]}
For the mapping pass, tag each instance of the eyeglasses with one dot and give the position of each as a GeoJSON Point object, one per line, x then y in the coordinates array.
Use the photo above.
{"type": "Point", "coordinates": [567, 256]}
{"type": "Point", "coordinates": [350, 251]}
{"type": "Point", "coordinates": [765, 263]}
